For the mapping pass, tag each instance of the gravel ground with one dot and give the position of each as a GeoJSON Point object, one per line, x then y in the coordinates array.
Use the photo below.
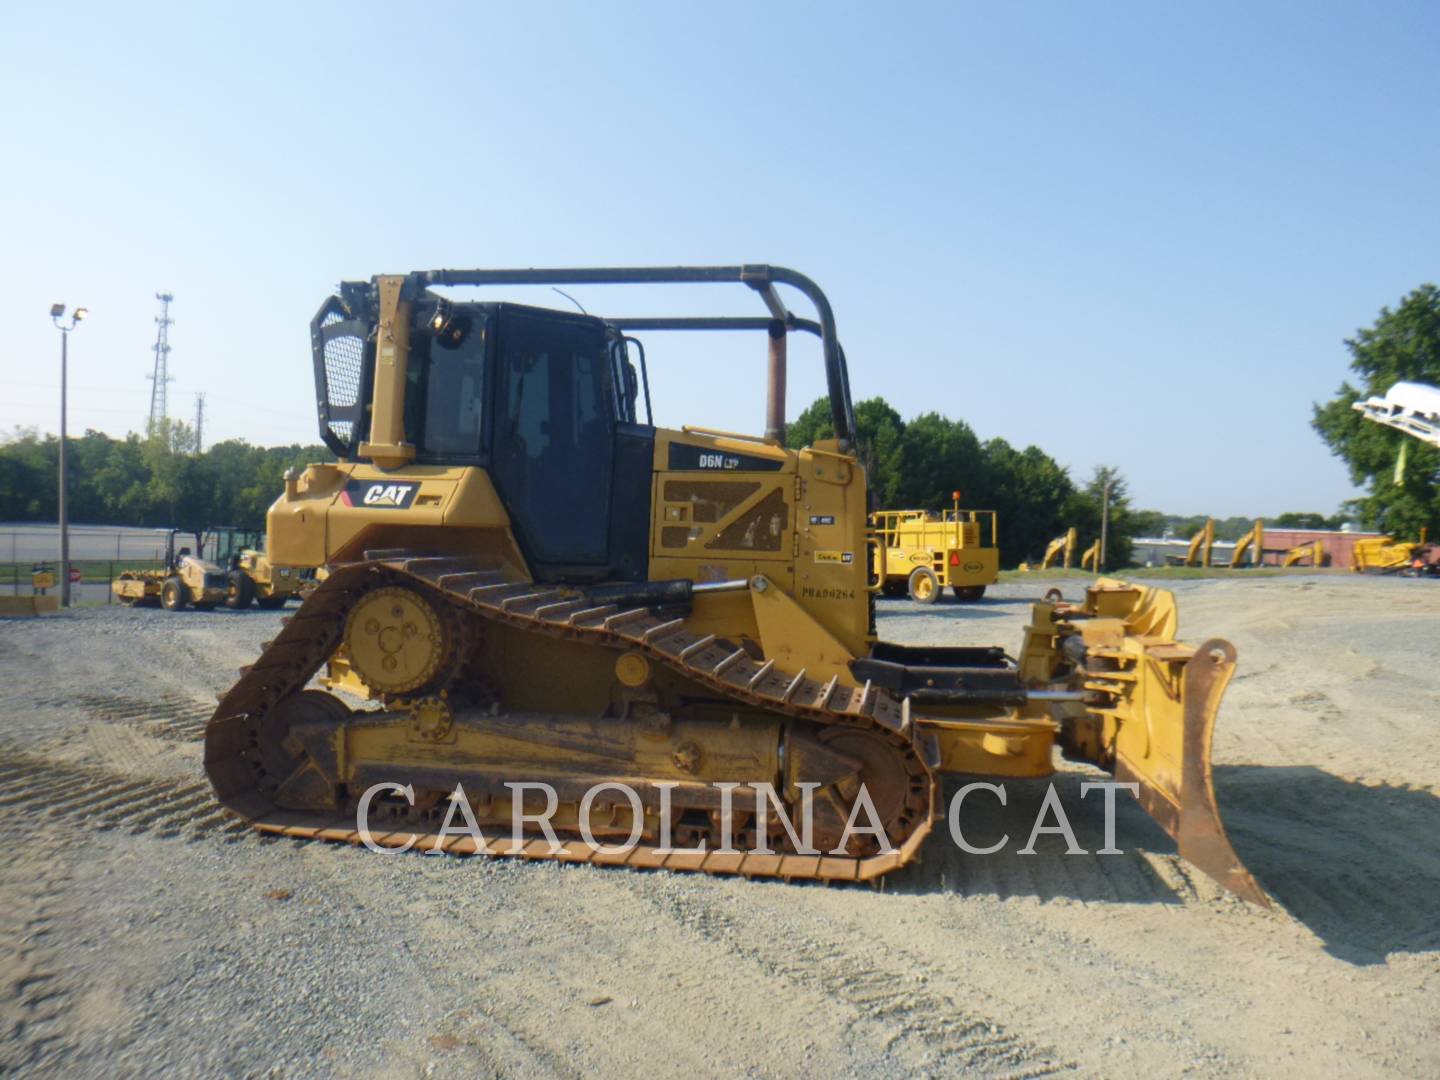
{"type": "Point", "coordinates": [144, 932]}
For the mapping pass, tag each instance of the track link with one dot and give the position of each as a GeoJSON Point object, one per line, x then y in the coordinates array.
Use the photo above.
{"type": "Point", "coordinates": [312, 634]}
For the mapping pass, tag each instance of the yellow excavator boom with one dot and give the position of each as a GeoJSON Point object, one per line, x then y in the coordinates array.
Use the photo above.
{"type": "Point", "coordinates": [1202, 545]}
{"type": "Point", "coordinates": [1061, 548]}
{"type": "Point", "coordinates": [1251, 546]}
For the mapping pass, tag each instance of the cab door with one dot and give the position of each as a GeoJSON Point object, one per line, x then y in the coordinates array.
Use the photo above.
{"type": "Point", "coordinates": [554, 438]}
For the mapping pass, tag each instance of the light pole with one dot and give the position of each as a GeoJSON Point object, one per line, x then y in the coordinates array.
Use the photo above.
{"type": "Point", "coordinates": [1104, 525]}
{"type": "Point", "coordinates": [57, 311]}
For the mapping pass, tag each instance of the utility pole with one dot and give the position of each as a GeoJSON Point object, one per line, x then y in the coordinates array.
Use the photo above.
{"type": "Point", "coordinates": [199, 422]}
{"type": "Point", "coordinates": [1104, 525]}
{"type": "Point", "coordinates": [161, 377]}
{"type": "Point", "coordinates": [56, 312]}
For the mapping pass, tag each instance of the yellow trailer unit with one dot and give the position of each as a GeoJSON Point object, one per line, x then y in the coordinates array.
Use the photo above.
{"type": "Point", "coordinates": [921, 552]}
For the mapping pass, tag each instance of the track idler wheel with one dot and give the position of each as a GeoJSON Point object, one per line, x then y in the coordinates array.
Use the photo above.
{"type": "Point", "coordinates": [842, 760]}
{"type": "Point", "coordinates": [296, 750]}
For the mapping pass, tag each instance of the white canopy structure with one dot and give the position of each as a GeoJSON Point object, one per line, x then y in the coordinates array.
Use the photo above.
{"type": "Point", "coordinates": [1410, 407]}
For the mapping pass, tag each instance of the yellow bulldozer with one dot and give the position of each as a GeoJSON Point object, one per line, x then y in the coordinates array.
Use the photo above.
{"type": "Point", "coordinates": [597, 640]}
{"type": "Point", "coordinates": [187, 580]}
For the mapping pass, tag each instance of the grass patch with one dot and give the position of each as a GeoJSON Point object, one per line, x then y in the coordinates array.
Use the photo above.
{"type": "Point", "coordinates": [93, 569]}
{"type": "Point", "coordinates": [1054, 574]}
{"type": "Point", "coordinates": [1166, 573]}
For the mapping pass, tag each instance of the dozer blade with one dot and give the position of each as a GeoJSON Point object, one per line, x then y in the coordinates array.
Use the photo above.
{"type": "Point", "coordinates": [1148, 742]}
{"type": "Point", "coordinates": [1149, 717]}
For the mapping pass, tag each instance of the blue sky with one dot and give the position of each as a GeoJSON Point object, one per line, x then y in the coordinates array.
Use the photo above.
{"type": "Point", "coordinates": [1130, 234]}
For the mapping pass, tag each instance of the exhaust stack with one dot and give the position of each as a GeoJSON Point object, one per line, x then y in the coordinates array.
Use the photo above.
{"type": "Point", "coordinates": [775, 390]}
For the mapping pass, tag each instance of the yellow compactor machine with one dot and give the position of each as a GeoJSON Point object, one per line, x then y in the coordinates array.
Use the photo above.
{"type": "Point", "coordinates": [534, 585]}
{"type": "Point", "coordinates": [187, 580]}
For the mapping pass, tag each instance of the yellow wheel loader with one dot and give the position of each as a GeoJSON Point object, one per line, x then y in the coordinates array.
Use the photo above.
{"type": "Point", "coordinates": [186, 581]}
{"type": "Point", "coordinates": [591, 639]}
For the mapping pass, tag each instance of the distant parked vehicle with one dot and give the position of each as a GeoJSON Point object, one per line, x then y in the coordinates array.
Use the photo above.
{"type": "Point", "coordinates": [186, 580]}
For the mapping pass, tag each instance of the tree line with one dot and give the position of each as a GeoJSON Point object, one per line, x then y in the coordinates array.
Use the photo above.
{"type": "Point", "coordinates": [917, 464]}
{"type": "Point", "coordinates": [158, 481]}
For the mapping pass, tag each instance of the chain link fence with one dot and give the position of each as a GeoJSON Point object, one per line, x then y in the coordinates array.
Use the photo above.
{"type": "Point", "coordinates": [98, 552]}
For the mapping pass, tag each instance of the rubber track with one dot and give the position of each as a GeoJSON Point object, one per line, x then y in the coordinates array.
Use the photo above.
{"type": "Point", "coordinates": [312, 634]}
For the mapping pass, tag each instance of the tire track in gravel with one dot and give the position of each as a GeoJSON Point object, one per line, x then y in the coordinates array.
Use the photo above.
{"type": "Point", "coordinates": [166, 715]}
{"type": "Point", "coordinates": [95, 798]}
{"type": "Point", "coordinates": [899, 991]}
{"type": "Point", "coordinates": [1147, 871]}
{"type": "Point", "coordinates": [34, 994]}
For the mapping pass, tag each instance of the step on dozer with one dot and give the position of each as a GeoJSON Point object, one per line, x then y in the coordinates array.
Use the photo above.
{"type": "Point", "coordinates": [568, 625]}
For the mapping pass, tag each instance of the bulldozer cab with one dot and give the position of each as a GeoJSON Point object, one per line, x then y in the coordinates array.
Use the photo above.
{"type": "Point", "coordinates": [545, 401]}
{"type": "Point", "coordinates": [557, 404]}
{"type": "Point", "coordinates": [202, 581]}
{"type": "Point", "coordinates": [181, 559]}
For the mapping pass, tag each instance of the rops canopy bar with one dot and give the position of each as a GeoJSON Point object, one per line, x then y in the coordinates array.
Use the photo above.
{"type": "Point", "coordinates": [760, 277]}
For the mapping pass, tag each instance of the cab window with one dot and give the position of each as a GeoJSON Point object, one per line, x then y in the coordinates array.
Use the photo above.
{"type": "Point", "coordinates": [446, 396]}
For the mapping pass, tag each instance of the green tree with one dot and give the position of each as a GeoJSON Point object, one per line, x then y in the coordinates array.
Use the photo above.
{"type": "Point", "coordinates": [1150, 523]}
{"type": "Point", "coordinates": [123, 483]}
{"type": "Point", "coordinates": [917, 465]}
{"type": "Point", "coordinates": [1185, 526]}
{"type": "Point", "coordinates": [1402, 345]}
{"type": "Point", "coordinates": [177, 486]}
{"type": "Point", "coordinates": [880, 443]}
{"type": "Point", "coordinates": [158, 481]}
{"type": "Point", "coordinates": [811, 425]}
{"type": "Point", "coordinates": [29, 490]}
{"type": "Point", "coordinates": [1233, 528]}
{"type": "Point", "coordinates": [1305, 520]}
{"type": "Point", "coordinates": [1030, 490]}
{"type": "Point", "coordinates": [879, 434]}
{"type": "Point", "coordinates": [939, 456]}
